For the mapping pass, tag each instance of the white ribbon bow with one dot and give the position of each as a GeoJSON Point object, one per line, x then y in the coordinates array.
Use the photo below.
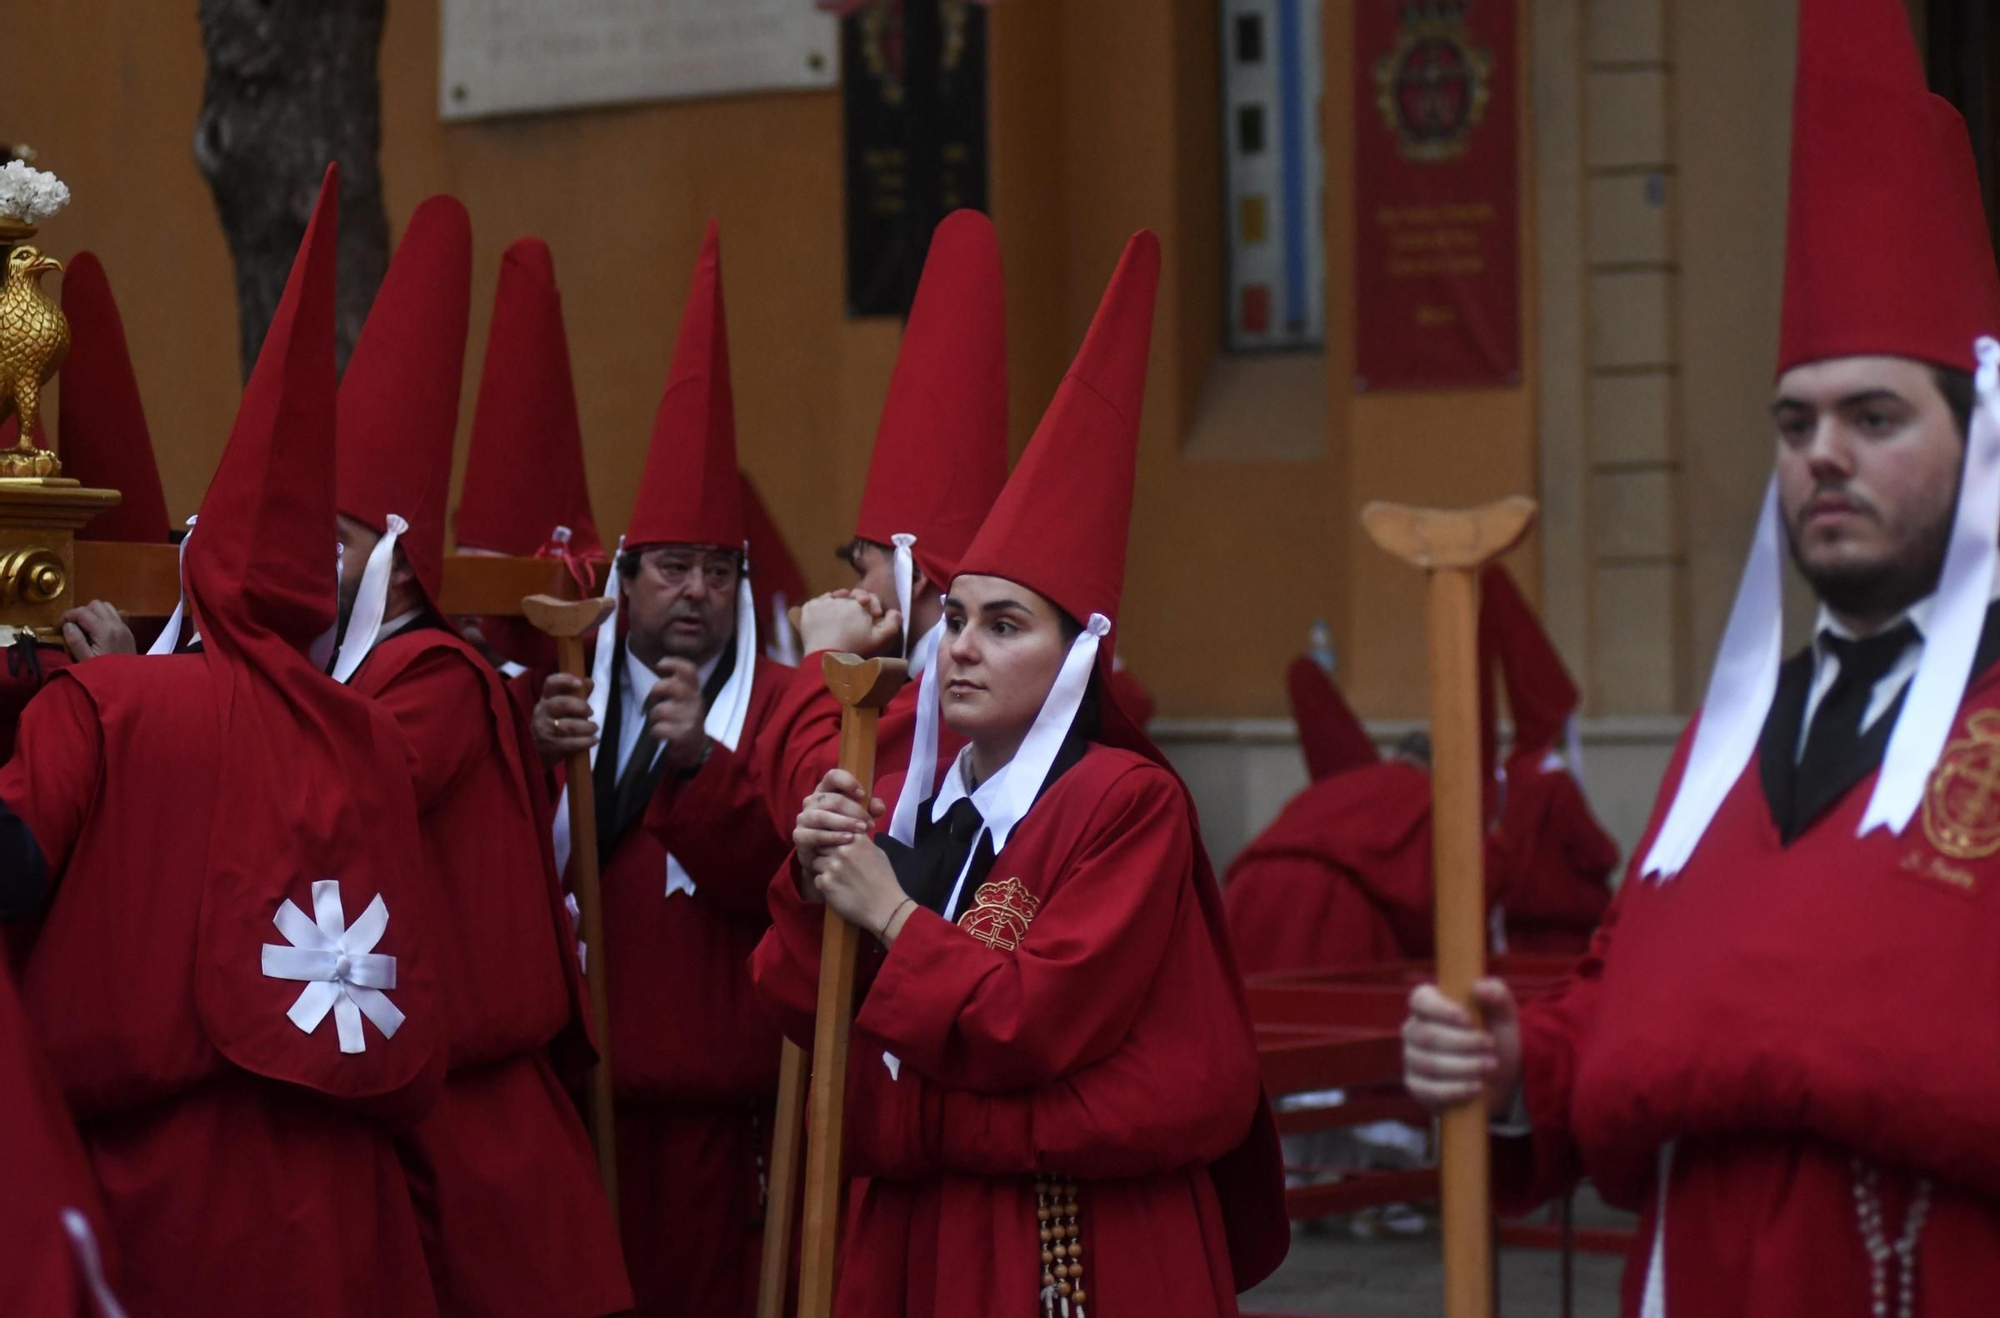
{"type": "Point", "coordinates": [344, 974]}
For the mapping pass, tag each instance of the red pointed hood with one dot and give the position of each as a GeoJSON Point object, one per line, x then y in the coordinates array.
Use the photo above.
{"type": "Point", "coordinates": [260, 570]}
{"type": "Point", "coordinates": [773, 570]}
{"type": "Point", "coordinates": [690, 492]}
{"type": "Point", "coordinates": [941, 450]}
{"type": "Point", "coordinates": [313, 800]}
{"type": "Point", "coordinates": [1061, 524]}
{"type": "Point", "coordinates": [1330, 734]}
{"type": "Point", "coordinates": [102, 436]}
{"type": "Point", "coordinates": [399, 398]}
{"type": "Point", "coordinates": [1541, 696]}
{"type": "Point", "coordinates": [1886, 247]}
{"type": "Point", "coordinates": [524, 473]}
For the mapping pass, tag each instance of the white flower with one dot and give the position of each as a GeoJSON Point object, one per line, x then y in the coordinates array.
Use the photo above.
{"type": "Point", "coordinates": [29, 195]}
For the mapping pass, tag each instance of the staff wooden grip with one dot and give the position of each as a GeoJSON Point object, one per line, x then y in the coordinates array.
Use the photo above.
{"type": "Point", "coordinates": [567, 621]}
{"type": "Point", "coordinates": [862, 687]}
{"type": "Point", "coordinates": [1452, 547]}
{"type": "Point", "coordinates": [1458, 864]}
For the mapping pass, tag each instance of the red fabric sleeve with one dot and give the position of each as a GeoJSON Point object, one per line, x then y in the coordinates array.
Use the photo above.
{"type": "Point", "coordinates": [951, 1006]}
{"type": "Point", "coordinates": [717, 825]}
{"type": "Point", "coordinates": [799, 742]}
{"type": "Point", "coordinates": [1532, 1169]}
{"type": "Point", "coordinates": [1142, 1110]}
{"type": "Point", "coordinates": [785, 966]}
{"type": "Point", "coordinates": [56, 769]}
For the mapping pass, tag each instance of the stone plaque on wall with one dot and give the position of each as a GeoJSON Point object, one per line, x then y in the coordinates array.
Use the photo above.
{"type": "Point", "coordinates": [521, 56]}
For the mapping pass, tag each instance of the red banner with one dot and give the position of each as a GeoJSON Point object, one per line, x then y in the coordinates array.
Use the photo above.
{"type": "Point", "coordinates": [1437, 232]}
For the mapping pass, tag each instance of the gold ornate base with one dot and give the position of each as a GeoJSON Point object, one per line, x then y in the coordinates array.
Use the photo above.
{"type": "Point", "coordinates": [39, 519]}
{"type": "Point", "coordinates": [26, 462]}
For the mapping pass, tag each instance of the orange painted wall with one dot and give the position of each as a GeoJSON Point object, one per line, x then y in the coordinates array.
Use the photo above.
{"type": "Point", "coordinates": [1104, 120]}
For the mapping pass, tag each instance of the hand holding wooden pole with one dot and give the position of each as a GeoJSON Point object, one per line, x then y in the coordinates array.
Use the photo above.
{"type": "Point", "coordinates": [567, 621]}
{"type": "Point", "coordinates": [863, 687]}
{"type": "Point", "coordinates": [1452, 547]}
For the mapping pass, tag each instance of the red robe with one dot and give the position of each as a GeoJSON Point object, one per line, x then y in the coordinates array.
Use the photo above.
{"type": "Point", "coordinates": [503, 1173]}
{"type": "Point", "coordinates": [1341, 877]}
{"type": "Point", "coordinates": [801, 740]}
{"type": "Point", "coordinates": [53, 1246]}
{"type": "Point", "coordinates": [1775, 1011]}
{"type": "Point", "coordinates": [240, 1169]}
{"type": "Point", "coordinates": [1082, 1019]}
{"type": "Point", "coordinates": [694, 1060]}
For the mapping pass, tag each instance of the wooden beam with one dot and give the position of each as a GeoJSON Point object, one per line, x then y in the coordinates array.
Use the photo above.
{"type": "Point", "coordinates": [145, 580]}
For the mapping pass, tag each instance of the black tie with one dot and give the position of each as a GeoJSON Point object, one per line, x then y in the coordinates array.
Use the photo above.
{"type": "Point", "coordinates": [929, 869]}
{"type": "Point", "coordinates": [1836, 740]}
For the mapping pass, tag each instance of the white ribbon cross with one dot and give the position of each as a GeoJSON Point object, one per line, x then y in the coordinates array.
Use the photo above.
{"type": "Point", "coordinates": [344, 974]}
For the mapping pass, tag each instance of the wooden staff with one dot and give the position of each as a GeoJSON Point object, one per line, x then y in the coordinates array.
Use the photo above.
{"type": "Point", "coordinates": [774, 1274]}
{"type": "Point", "coordinates": [863, 687]}
{"type": "Point", "coordinates": [567, 621]}
{"type": "Point", "coordinates": [1452, 547]}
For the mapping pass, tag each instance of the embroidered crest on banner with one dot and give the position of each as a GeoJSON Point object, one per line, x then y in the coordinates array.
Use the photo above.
{"type": "Point", "coordinates": [1000, 914]}
{"type": "Point", "coordinates": [1433, 87]}
{"type": "Point", "coordinates": [1962, 802]}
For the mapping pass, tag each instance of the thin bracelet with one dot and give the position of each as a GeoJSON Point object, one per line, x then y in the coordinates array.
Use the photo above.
{"type": "Point", "coordinates": [882, 934]}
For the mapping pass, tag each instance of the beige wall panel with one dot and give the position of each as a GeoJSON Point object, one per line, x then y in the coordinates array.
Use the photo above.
{"type": "Point", "coordinates": [1630, 219]}
{"type": "Point", "coordinates": [1733, 117]}
{"type": "Point", "coordinates": [1563, 414]}
{"type": "Point", "coordinates": [1635, 644]}
{"type": "Point", "coordinates": [1631, 418]}
{"type": "Point", "coordinates": [1626, 118]}
{"type": "Point", "coordinates": [1626, 31]}
{"type": "Point", "coordinates": [1635, 514]}
{"type": "Point", "coordinates": [1631, 319]}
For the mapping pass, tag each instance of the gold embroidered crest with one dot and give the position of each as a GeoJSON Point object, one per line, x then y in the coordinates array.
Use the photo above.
{"type": "Point", "coordinates": [1962, 803]}
{"type": "Point", "coordinates": [1000, 914]}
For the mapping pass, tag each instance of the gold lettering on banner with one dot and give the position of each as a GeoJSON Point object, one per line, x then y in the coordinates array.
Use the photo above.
{"type": "Point", "coordinates": [1000, 914]}
{"type": "Point", "coordinates": [1962, 803]}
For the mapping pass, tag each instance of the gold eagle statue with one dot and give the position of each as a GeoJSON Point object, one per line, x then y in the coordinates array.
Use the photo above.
{"type": "Point", "coordinates": [34, 339]}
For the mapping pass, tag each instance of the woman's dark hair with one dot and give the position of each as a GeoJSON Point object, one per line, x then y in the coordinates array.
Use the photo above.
{"type": "Point", "coordinates": [1959, 395]}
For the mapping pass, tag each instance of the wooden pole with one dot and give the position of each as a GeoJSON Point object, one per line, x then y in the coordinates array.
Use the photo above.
{"type": "Point", "coordinates": [774, 1274]}
{"type": "Point", "coordinates": [1452, 547]}
{"type": "Point", "coordinates": [567, 621]}
{"type": "Point", "coordinates": [863, 687]}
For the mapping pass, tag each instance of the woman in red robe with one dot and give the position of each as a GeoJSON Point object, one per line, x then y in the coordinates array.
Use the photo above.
{"type": "Point", "coordinates": [1053, 1094]}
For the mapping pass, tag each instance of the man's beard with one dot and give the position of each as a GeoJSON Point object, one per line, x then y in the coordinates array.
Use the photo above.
{"type": "Point", "coordinates": [1884, 589]}
{"type": "Point", "coordinates": [695, 649]}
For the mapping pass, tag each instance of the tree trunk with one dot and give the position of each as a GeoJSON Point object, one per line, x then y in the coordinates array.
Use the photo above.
{"type": "Point", "coordinates": [292, 85]}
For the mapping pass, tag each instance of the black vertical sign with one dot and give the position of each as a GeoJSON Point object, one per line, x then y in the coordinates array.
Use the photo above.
{"type": "Point", "coordinates": [916, 146]}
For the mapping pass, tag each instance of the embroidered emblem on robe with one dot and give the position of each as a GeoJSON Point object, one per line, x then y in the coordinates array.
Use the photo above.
{"type": "Point", "coordinates": [1000, 914]}
{"type": "Point", "coordinates": [1962, 802]}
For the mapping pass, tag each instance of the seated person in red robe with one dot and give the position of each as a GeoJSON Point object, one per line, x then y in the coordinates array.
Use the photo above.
{"type": "Point", "coordinates": [1054, 1033]}
{"type": "Point", "coordinates": [1781, 1049]}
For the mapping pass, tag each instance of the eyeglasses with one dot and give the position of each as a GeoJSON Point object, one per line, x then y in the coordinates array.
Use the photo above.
{"type": "Point", "coordinates": [718, 571]}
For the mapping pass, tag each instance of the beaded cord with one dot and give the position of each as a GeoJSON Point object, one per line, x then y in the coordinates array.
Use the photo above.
{"type": "Point", "coordinates": [1868, 1210]}
{"type": "Point", "coordinates": [1062, 1247]}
